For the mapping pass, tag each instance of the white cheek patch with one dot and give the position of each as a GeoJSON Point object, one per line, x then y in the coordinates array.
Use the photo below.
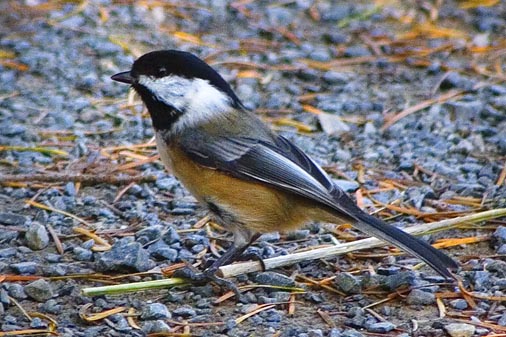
{"type": "Point", "coordinates": [170, 89]}
{"type": "Point", "coordinates": [197, 99]}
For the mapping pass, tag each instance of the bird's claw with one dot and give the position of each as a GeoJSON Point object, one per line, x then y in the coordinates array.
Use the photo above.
{"type": "Point", "coordinates": [209, 275]}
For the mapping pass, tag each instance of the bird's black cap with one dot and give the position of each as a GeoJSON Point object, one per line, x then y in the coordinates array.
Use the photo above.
{"type": "Point", "coordinates": [163, 63]}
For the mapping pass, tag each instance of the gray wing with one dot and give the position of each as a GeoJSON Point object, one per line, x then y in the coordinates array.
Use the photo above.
{"type": "Point", "coordinates": [280, 164]}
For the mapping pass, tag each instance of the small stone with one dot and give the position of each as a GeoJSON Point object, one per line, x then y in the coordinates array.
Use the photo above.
{"type": "Point", "coordinates": [334, 77]}
{"type": "Point", "coordinates": [502, 320]}
{"type": "Point", "coordinates": [357, 321]}
{"type": "Point", "coordinates": [455, 80]}
{"type": "Point", "coordinates": [167, 183]}
{"type": "Point", "coordinates": [166, 253]}
{"type": "Point", "coordinates": [498, 267]}
{"type": "Point", "coordinates": [460, 329]}
{"type": "Point", "coordinates": [70, 189]}
{"type": "Point", "coordinates": [125, 255]}
{"type": "Point", "coordinates": [184, 312]}
{"type": "Point", "coordinates": [36, 236]}
{"type": "Point", "coordinates": [151, 233]}
{"type": "Point", "coordinates": [335, 332]}
{"type": "Point", "coordinates": [420, 297]}
{"type": "Point", "coordinates": [500, 235]}
{"type": "Point", "coordinates": [464, 147]}
{"type": "Point", "coordinates": [88, 244]}
{"type": "Point", "coordinates": [52, 307]}
{"type": "Point", "coordinates": [459, 304]}
{"type": "Point", "coordinates": [274, 279]}
{"type": "Point", "coordinates": [155, 311]}
{"type": "Point", "coordinates": [39, 290]}
{"type": "Point", "coordinates": [357, 51]}
{"type": "Point", "coordinates": [17, 291]}
{"type": "Point", "coordinates": [298, 234]}
{"type": "Point", "coordinates": [395, 281]}
{"type": "Point", "coordinates": [11, 219]}
{"type": "Point", "coordinates": [348, 283]}
{"type": "Point", "coordinates": [381, 327]}
{"type": "Point", "coordinates": [82, 254]}
{"type": "Point", "coordinates": [171, 236]}
{"type": "Point", "coordinates": [346, 185]}
{"type": "Point", "coordinates": [315, 333]}
{"type": "Point", "coordinates": [8, 252]}
{"type": "Point", "coordinates": [269, 237]}
{"type": "Point", "coordinates": [158, 326]}
{"type": "Point", "coordinates": [351, 333]}
{"type": "Point", "coordinates": [24, 268]}
{"type": "Point", "coordinates": [37, 323]}
{"type": "Point", "coordinates": [481, 280]}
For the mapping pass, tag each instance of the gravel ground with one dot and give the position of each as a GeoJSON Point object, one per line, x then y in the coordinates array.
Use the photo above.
{"type": "Point", "coordinates": [61, 116]}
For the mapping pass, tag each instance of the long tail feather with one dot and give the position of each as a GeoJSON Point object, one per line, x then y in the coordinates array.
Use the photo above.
{"type": "Point", "coordinates": [373, 226]}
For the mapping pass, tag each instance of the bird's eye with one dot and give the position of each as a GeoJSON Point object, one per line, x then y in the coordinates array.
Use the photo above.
{"type": "Point", "coordinates": [162, 72]}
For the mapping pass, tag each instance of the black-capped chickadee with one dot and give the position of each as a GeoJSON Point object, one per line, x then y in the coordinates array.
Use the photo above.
{"type": "Point", "coordinates": [251, 179]}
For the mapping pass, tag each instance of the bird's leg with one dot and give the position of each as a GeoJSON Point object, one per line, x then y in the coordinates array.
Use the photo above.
{"type": "Point", "coordinates": [253, 255]}
{"type": "Point", "coordinates": [241, 243]}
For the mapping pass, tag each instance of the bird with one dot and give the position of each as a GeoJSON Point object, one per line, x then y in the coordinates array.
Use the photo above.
{"type": "Point", "coordinates": [251, 179]}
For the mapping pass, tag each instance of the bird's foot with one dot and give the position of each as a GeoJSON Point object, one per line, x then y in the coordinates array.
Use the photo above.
{"type": "Point", "coordinates": [209, 275]}
{"type": "Point", "coordinates": [253, 256]}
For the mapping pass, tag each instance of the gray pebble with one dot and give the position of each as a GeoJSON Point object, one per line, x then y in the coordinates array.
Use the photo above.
{"type": "Point", "coordinates": [82, 254]}
{"type": "Point", "coordinates": [351, 333]}
{"type": "Point", "coordinates": [315, 333]}
{"type": "Point", "coordinates": [275, 279]}
{"type": "Point", "coordinates": [162, 251]}
{"type": "Point", "coordinates": [298, 234]}
{"type": "Point", "coordinates": [184, 312]}
{"type": "Point", "coordinates": [16, 291]}
{"type": "Point", "coordinates": [4, 296]}
{"type": "Point", "coordinates": [500, 235]}
{"type": "Point", "coordinates": [346, 185]}
{"type": "Point", "coordinates": [25, 268]}
{"type": "Point", "coordinates": [88, 244]}
{"type": "Point", "coordinates": [269, 237]}
{"type": "Point", "coordinates": [498, 267]}
{"type": "Point", "coordinates": [455, 80]}
{"type": "Point", "coordinates": [155, 311]}
{"type": "Point", "coordinates": [157, 326]}
{"type": "Point", "coordinates": [459, 304]}
{"type": "Point", "coordinates": [39, 290]}
{"type": "Point", "coordinates": [334, 77]}
{"type": "Point", "coordinates": [8, 252]}
{"type": "Point", "coordinates": [337, 12]}
{"type": "Point", "coordinates": [460, 329]}
{"type": "Point", "coordinates": [11, 219]}
{"type": "Point", "coordinates": [502, 320]}
{"type": "Point", "coordinates": [37, 323]}
{"type": "Point", "coordinates": [348, 283]}
{"type": "Point", "coordinates": [357, 51]}
{"type": "Point", "coordinates": [171, 236]}
{"type": "Point", "coordinates": [381, 327]}
{"type": "Point", "coordinates": [94, 331]}
{"type": "Point", "coordinates": [52, 307]}
{"type": "Point", "coordinates": [420, 297]}
{"type": "Point", "coordinates": [125, 255]}
{"type": "Point", "coordinates": [167, 183]}
{"type": "Point", "coordinates": [395, 281]}
{"type": "Point", "coordinates": [335, 332]}
{"type": "Point", "coordinates": [36, 236]}
{"type": "Point", "coordinates": [481, 280]}
{"type": "Point", "coordinates": [150, 233]}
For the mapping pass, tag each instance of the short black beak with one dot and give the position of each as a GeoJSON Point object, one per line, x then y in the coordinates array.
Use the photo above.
{"type": "Point", "coordinates": [123, 77]}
